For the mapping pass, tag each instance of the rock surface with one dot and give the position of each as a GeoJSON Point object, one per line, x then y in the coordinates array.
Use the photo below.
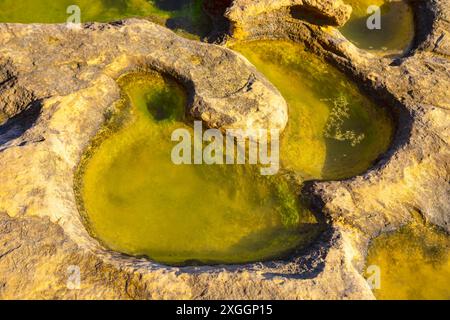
{"type": "Point", "coordinates": [57, 86]}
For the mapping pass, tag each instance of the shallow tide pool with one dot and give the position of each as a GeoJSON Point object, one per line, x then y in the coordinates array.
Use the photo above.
{"type": "Point", "coordinates": [334, 131]}
{"type": "Point", "coordinates": [136, 201]}
{"type": "Point", "coordinates": [397, 26]}
{"type": "Point", "coordinates": [414, 263]}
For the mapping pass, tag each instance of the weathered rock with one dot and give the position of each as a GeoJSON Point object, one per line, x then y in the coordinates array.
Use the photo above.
{"type": "Point", "coordinates": [13, 97]}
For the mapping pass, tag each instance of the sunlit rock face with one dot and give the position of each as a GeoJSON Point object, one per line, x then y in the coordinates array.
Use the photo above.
{"type": "Point", "coordinates": [242, 11]}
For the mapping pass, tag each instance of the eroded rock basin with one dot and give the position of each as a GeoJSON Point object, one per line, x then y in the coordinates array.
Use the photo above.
{"type": "Point", "coordinates": [41, 231]}
{"type": "Point", "coordinates": [334, 131]}
{"type": "Point", "coordinates": [392, 35]}
{"type": "Point", "coordinates": [137, 201]}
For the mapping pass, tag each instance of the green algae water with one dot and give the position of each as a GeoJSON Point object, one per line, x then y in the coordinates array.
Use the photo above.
{"type": "Point", "coordinates": [334, 131]}
{"type": "Point", "coordinates": [414, 263]}
{"type": "Point", "coordinates": [184, 15]}
{"type": "Point", "coordinates": [136, 201]}
{"type": "Point", "coordinates": [397, 26]}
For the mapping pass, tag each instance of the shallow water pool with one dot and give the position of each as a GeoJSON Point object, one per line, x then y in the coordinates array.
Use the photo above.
{"type": "Point", "coordinates": [136, 201]}
{"type": "Point", "coordinates": [397, 26]}
{"type": "Point", "coordinates": [334, 131]}
{"type": "Point", "coordinates": [414, 263]}
{"type": "Point", "coordinates": [187, 16]}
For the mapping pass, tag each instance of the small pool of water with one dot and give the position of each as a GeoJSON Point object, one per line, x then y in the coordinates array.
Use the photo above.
{"type": "Point", "coordinates": [187, 16]}
{"type": "Point", "coordinates": [414, 263]}
{"type": "Point", "coordinates": [334, 131]}
{"type": "Point", "coordinates": [136, 201]}
{"type": "Point", "coordinates": [397, 26]}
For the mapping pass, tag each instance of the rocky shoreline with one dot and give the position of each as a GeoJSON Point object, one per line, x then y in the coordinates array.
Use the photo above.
{"type": "Point", "coordinates": [57, 87]}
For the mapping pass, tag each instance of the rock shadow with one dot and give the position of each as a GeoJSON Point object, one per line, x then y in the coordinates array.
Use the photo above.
{"type": "Point", "coordinates": [311, 16]}
{"type": "Point", "coordinates": [186, 15]}
{"type": "Point", "coordinates": [16, 126]}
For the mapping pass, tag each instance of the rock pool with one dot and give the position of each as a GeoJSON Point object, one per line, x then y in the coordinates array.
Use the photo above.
{"type": "Point", "coordinates": [397, 26]}
{"type": "Point", "coordinates": [136, 201]}
{"type": "Point", "coordinates": [414, 262]}
{"type": "Point", "coordinates": [186, 16]}
{"type": "Point", "coordinates": [334, 131]}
